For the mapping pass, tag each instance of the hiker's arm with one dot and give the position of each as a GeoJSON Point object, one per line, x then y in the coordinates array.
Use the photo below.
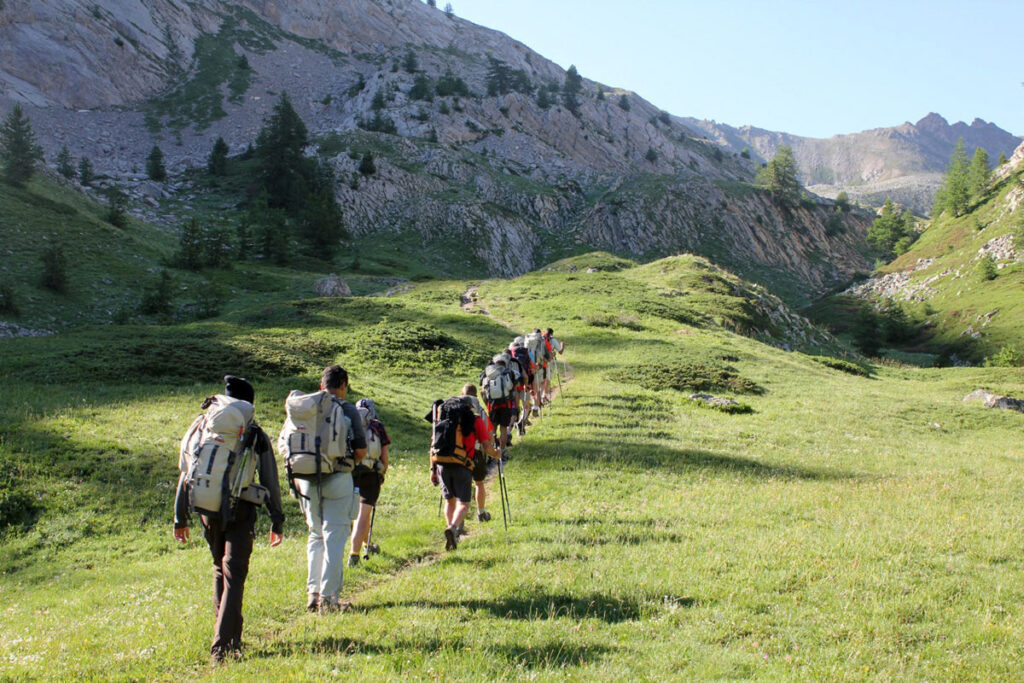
{"type": "Point", "coordinates": [181, 512]}
{"type": "Point", "coordinates": [483, 437]}
{"type": "Point", "coordinates": [384, 458]}
{"type": "Point", "coordinates": [268, 478]}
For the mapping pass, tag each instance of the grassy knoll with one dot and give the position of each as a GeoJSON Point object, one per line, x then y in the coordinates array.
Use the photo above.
{"type": "Point", "coordinates": [849, 527]}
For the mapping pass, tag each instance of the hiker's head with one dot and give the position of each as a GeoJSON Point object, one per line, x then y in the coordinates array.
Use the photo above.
{"type": "Point", "coordinates": [536, 330]}
{"type": "Point", "coordinates": [369, 406]}
{"type": "Point", "coordinates": [469, 390]}
{"type": "Point", "coordinates": [500, 359]}
{"type": "Point", "coordinates": [335, 380]}
{"type": "Point", "coordinates": [551, 332]}
{"type": "Point", "coordinates": [239, 388]}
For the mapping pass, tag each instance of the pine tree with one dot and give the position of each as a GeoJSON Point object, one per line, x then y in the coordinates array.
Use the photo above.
{"type": "Point", "coordinates": [190, 246]}
{"type": "Point", "coordinates": [421, 88]}
{"type": "Point", "coordinates": [155, 168]}
{"type": "Point", "coordinates": [885, 230]}
{"type": "Point", "coordinates": [244, 240]}
{"type": "Point", "coordinates": [85, 173]}
{"type": "Point", "coordinates": [321, 221]}
{"type": "Point", "coordinates": [1001, 160]}
{"type": "Point", "coordinates": [378, 102]}
{"type": "Point", "coordinates": [55, 267]}
{"type": "Point", "coordinates": [651, 155]}
{"type": "Point", "coordinates": [449, 11]}
{"type": "Point", "coordinates": [18, 148]}
{"type": "Point", "coordinates": [780, 175]}
{"type": "Point", "coordinates": [955, 193]}
{"type": "Point", "coordinates": [571, 89]}
{"type": "Point", "coordinates": [367, 167]}
{"type": "Point", "coordinates": [432, 3]}
{"type": "Point", "coordinates": [842, 200]}
{"type": "Point", "coordinates": [543, 99]}
{"type": "Point", "coordinates": [117, 207]}
{"type": "Point", "coordinates": [279, 149]}
{"type": "Point", "coordinates": [157, 296]}
{"type": "Point", "coordinates": [65, 165]}
{"type": "Point", "coordinates": [409, 62]}
{"type": "Point", "coordinates": [217, 163]}
{"type": "Point", "coordinates": [624, 103]}
{"type": "Point", "coordinates": [979, 173]}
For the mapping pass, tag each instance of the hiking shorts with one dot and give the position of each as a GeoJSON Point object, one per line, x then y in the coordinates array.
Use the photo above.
{"type": "Point", "coordinates": [542, 373]}
{"type": "Point", "coordinates": [456, 482]}
{"type": "Point", "coordinates": [502, 416]}
{"type": "Point", "coordinates": [369, 486]}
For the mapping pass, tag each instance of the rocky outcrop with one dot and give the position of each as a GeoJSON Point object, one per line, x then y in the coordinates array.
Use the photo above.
{"type": "Point", "coordinates": [332, 286]}
{"type": "Point", "coordinates": [990, 400]}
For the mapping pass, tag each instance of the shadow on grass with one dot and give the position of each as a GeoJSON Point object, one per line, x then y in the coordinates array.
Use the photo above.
{"type": "Point", "coordinates": [534, 607]}
{"type": "Point", "coordinates": [569, 453]}
{"type": "Point", "coordinates": [546, 656]}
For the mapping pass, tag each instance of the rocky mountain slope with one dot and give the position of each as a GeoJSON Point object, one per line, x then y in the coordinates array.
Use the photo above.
{"type": "Point", "coordinates": [514, 181]}
{"type": "Point", "coordinates": [904, 162]}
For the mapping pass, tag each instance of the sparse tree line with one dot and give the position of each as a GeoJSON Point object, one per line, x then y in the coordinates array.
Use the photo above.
{"type": "Point", "coordinates": [965, 182]}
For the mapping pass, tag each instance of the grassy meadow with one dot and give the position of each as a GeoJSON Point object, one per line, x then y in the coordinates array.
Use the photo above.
{"type": "Point", "coordinates": [850, 526]}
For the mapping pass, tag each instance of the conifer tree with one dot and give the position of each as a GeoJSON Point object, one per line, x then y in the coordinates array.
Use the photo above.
{"type": "Point", "coordinates": [117, 207]}
{"type": "Point", "coordinates": [55, 267]}
{"type": "Point", "coordinates": [651, 155]}
{"type": "Point", "coordinates": [190, 246]}
{"type": "Point", "coordinates": [410, 63]}
{"type": "Point", "coordinates": [367, 167]}
{"type": "Point", "coordinates": [85, 172]}
{"type": "Point", "coordinates": [624, 103]}
{"type": "Point", "coordinates": [1001, 160]}
{"type": "Point", "coordinates": [780, 175]}
{"type": "Point", "coordinates": [979, 172]}
{"type": "Point", "coordinates": [571, 89]}
{"type": "Point", "coordinates": [18, 148]}
{"type": "Point", "coordinates": [155, 168]}
{"type": "Point", "coordinates": [65, 165]}
{"type": "Point", "coordinates": [955, 193]}
{"type": "Point", "coordinates": [449, 11]}
{"type": "Point", "coordinates": [217, 163]}
{"type": "Point", "coordinates": [543, 99]}
{"type": "Point", "coordinates": [279, 149]}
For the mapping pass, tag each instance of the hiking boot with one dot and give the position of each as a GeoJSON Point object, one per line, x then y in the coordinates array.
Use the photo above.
{"type": "Point", "coordinates": [462, 530]}
{"type": "Point", "coordinates": [483, 516]}
{"type": "Point", "coordinates": [536, 413]}
{"type": "Point", "coordinates": [370, 549]}
{"type": "Point", "coordinates": [451, 539]}
{"type": "Point", "coordinates": [353, 560]}
{"type": "Point", "coordinates": [313, 604]}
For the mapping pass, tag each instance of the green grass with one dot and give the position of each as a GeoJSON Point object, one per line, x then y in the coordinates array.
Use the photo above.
{"type": "Point", "coordinates": [847, 528]}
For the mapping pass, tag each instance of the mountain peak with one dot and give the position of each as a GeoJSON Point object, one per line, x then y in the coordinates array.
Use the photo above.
{"type": "Point", "coordinates": [932, 122]}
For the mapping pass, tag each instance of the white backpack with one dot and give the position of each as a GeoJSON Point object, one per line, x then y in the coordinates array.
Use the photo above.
{"type": "Point", "coordinates": [374, 448]}
{"type": "Point", "coordinates": [535, 345]}
{"type": "Point", "coordinates": [314, 438]}
{"type": "Point", "coordinates": [497, 384]}
{"type": "Point", "coordinates": [217, 450]}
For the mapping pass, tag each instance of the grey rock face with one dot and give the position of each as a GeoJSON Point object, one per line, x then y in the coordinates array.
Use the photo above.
{"type": "Point", "coordinates": [990, 400]}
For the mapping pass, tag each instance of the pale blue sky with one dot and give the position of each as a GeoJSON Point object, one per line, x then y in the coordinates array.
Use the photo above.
{"type": "Point", "coordinates": [809, 68]}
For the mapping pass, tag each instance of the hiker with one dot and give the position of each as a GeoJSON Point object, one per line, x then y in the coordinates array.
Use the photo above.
{"type": "Point", "coordinates": [517, 349]}
{"type": "Point", "coordinates": [456, 430]}
{"type": "Point", "coordinates": [368, 476]}
{"type": "Point", "coordinates": [480, 464]}
{"type": "Point", "coordinates": [321, 443]}
{"type": "Point", "coordinates": [225, 446]}
{"type": "Point", "coordinates": [538, 353]}
{"type": "Point", "coordinates": [555, 348]}
{"type": "Point", "coordinates": [498, 386]}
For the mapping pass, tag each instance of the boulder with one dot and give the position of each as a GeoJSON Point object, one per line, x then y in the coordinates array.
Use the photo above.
{"type": "Point", "coordinates": [990, 400]}
{"type": "Point", "coordinates": [332, 286]}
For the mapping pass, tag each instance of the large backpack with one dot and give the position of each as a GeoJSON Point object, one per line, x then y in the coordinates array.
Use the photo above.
{"type": "Point", "coordinates": [315, 437]}
{"type": "Point", "coordinates": [522, 356]}
{"type": "Point", "coordinates": [218, 451]}
{"type": "Point", "coordinates": [374, 448]}
{"type": "Point", "coordinates": [451, 420]}
{"type": "Point", "coordinates": [548, 348]}
{"type": "Point", "coordinates": [511, 364]}
{"type": "Point", "coordinates": [535, 343]}
{"type": "Point", "coordinates": [497, 383]}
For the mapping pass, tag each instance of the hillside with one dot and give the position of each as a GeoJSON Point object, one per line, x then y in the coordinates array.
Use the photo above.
{"type": "Point", "coordinates": [904, 163]}
{"type": "Point", "coordinates": [478, 142]}
{"type": "Point", "coordinates": [942, 282]}
{"type": "Point", "coordinates": [651, 537]}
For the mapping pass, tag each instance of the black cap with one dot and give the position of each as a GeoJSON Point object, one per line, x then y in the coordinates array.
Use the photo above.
{"type": "Point", "coordinates": [239, 388]}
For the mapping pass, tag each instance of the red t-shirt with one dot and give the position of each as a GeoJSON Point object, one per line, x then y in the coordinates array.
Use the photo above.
{"type": "Point", "coordinates": [479, 433]}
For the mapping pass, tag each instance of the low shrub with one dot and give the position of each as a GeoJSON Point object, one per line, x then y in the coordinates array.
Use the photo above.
{"type": "Point", "coordinates": [686, 376]}
{"type": "Point", "coordinates": [842, 365]}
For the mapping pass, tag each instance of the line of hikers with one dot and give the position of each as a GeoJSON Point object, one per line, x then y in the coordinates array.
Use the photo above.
{"type": "Point", "coordinates": [336, 458]}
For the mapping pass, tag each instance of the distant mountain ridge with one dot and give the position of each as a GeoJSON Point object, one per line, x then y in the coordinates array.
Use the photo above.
{"type": "Point", "coordinates": [902, 162]}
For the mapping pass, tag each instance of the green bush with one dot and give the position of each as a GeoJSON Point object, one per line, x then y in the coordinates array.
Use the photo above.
{"type": "Point", "coordinates": [686, 376]}
{"type": "Point", "coordinates": [413, 346]}
{"type": "Point", "coordinates": [55, 268]}
{"type": "Point", "coordinates": [842, 365]}
{"type": "Point", "coordinates": [1006, 357]}
{"type": "Point", "coordinates": [612, 320]}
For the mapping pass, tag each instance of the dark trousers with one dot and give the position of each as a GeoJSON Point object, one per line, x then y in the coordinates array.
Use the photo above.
{"type": "Point", "coordinates": [230, 547]}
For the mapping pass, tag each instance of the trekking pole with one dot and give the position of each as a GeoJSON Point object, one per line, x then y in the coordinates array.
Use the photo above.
{"type": "Point", "coordinates": [504, 487]}
{"type": "Point", "coordinates": [501, 493]}
{"type": "Point", "coordinates": [558, 374]}
{"type": "Point", "coordinates": [369, 536]}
